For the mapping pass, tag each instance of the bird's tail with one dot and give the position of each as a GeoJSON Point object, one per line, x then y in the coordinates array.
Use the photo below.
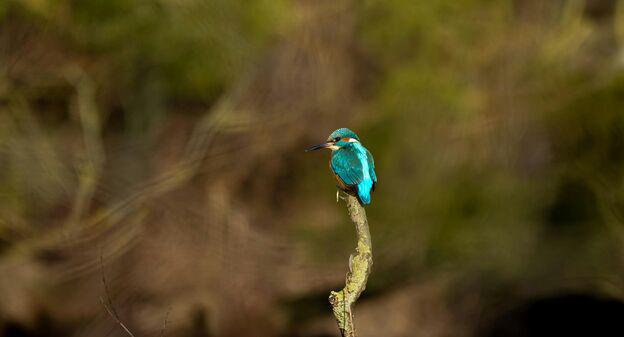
{"type": "Point", "coordinates": [364, 194]}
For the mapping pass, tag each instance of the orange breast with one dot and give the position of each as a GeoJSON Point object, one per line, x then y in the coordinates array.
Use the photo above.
{"type": "Point", "coordinates": [341, 183]}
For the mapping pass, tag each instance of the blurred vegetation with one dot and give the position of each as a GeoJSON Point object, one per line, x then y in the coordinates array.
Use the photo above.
{"type": "Point", "coordinates": [159, 143]}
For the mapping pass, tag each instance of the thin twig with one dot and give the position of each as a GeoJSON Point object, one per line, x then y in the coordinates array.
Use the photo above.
{"type": "Point", "coordinates": [108, 304]}
{"type": "Point", "coordinates": [164, 327]}
{"type": "Point", "coordinates": [111, 312]}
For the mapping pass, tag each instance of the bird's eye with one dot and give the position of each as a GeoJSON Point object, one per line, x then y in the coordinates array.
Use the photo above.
{"type": "Point", "coordinates": [337, 139]}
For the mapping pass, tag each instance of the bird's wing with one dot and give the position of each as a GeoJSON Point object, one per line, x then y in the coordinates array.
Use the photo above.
{"type": "Point", "coordinates": [347, 166]}
{"type": "Point", "coordinates": [371, 168]}
{"type": "Point", "coordinates": [371, 165]}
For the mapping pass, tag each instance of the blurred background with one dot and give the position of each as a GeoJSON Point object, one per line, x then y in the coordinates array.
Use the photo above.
{"type": "Point", "coordinates": [151, 158]}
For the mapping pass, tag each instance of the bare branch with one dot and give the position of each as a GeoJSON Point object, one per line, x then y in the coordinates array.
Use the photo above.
{"type": "Point", "coordinates": [360, 264]}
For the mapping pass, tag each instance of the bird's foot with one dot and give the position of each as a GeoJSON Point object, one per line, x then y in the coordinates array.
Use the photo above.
{"type": "Point", "coordinates": [338, 196]}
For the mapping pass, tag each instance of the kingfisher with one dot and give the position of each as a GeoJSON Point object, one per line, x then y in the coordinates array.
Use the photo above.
{"type": "Point", "coordinates": [351, 163]}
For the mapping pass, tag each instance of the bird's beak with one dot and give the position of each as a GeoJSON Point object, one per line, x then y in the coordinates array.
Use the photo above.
{"type": "Point", "coordinates": [320, 146]}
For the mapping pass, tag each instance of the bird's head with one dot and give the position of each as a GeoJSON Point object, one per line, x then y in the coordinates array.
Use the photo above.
{"type": "Point", "coordinates": [337, 139]}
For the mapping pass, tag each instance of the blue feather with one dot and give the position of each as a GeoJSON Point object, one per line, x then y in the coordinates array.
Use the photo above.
{"type": "Point", "coordinates": [354, 165]}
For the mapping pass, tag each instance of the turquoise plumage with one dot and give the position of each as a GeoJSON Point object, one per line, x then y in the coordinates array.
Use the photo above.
{"type": "Point", "coordinates": [351, 163]}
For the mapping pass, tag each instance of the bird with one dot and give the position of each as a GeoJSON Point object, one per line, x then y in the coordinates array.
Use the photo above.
{"type": "Point", "coordinates": [351, 163]}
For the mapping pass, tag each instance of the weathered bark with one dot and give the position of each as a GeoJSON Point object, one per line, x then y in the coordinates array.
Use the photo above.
{"type": "Point", "coordinates": [360, 264]}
